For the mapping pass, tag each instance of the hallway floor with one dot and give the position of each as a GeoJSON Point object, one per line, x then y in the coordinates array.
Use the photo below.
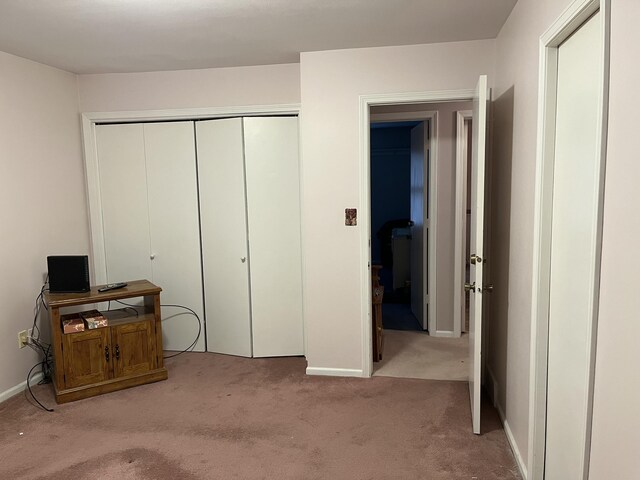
{"type": "Point", "coordinates": [410, 354]}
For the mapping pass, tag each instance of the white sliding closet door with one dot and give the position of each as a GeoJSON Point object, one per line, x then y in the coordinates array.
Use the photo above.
{"type": "Point", "coordinates": [273, 206]}
{"type": "Point", "coordinates": [224, 235]}
{"type": "Point", "coordinates": [123, 193]}
{"type": "Point", "coordinates": [175, 235]}
{"type": "Point", "coordinates": [149, 203]}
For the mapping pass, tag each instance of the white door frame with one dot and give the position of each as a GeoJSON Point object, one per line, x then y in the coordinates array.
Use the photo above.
{"type": "Point", "coordinates": [431, 120]}
{"type": "Point", "coordinates": [460, 250]}
{"type": "Point", "coordinates": [366, 102]}
{"type": "Point", "coordinates": [89, 122]}
{"type": "Point", "coordinates": [568, 22]}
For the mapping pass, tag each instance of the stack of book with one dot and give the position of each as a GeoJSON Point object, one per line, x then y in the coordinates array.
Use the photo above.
{"type": "Point", "coordinates": [94, 319]}
{"type": "Point", "coordinates": [88, 320]}
{"type": "Point", "coordinates": [73, 325]}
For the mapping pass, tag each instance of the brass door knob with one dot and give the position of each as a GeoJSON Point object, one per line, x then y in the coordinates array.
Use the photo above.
{"type": "Point", "coordinates": [470, 287]}
{"type": "Point", "coordinates": [475, 258]}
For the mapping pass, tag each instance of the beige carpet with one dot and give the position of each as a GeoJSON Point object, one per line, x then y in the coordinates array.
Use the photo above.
{"type": "Point", "coordinates": [418, 355]}
{"type": "Point", "coordinates": [221, 417]}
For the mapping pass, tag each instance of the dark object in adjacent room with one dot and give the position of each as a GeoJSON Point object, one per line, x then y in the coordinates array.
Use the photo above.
{"type": "Point", "coordinates": [384, 234]}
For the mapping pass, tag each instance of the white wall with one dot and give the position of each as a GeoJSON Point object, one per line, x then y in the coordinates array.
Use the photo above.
{"type": "Point", "coordinates": [616, 419]}
{"type": "Point", "coordinates": [616, 423]}
{"type": "Point", "coordinates": [42, 194]}
{"type": "Point", "coordinates": [212, 87]}
{"type": "Point", "coordinates": [513, 169]}
{"type": "Point", "coordinates": [446, 172]}
{"type": "Point", "coordinates": [331, 83]}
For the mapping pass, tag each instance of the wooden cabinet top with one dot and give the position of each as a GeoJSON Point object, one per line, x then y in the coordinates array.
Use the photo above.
{"type": "Point", "coordinates": [135, 288]}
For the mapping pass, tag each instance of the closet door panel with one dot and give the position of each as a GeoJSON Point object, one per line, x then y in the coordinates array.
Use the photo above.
{"type": "Point", "coordinates": [174, 228]}
{"type": "Point", "coordinates": [224, 236]}
{"type": "Point", "coordinates": [273, 205]}
{"type": "Point", "coordinates": [123, 194]}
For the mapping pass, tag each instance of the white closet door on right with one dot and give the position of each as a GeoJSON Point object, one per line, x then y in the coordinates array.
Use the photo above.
{"type": "Point", "coordinates": [273, 207]}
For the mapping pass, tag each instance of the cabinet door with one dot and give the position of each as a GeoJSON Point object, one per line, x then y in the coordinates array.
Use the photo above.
{"type": "Point", "coordinates": [273, 206]}
{"type": "Point", "coordinates": [224, 236]}
{"type": "Point", "coordinates": [132, 346]}
{"type": "Point", "coordinates": [87, 357]}
{"type": "Point", "coordinates": [123, 193]}
{"type": "Point", "coordinates": [174, 229]}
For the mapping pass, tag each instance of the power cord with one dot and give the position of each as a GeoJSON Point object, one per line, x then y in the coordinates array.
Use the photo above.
{"type": "Point", "coordinates": [41, 347]}
{"type": "Point", "coordinates": [31, 391]}
{"type": "Point", "coordinates": [193, 344]}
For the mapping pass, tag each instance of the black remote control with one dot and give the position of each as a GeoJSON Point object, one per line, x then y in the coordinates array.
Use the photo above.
{"type": "Point", "coordinates": [112, 286]}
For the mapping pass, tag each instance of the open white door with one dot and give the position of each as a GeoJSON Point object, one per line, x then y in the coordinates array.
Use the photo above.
{"type": "Point", "coordinates": [419, 298]}
{"type": "Point", "coordinates": [479, 128]}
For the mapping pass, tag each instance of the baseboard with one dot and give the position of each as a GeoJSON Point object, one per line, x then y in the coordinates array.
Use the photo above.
{"type": "Point", "coordinates": [7, 394]}
{"type": "Point", "coordinates": [334, 372]}
{"type": "Point", "coordinates": [507, 430]}
{"type": "Point", "coordinates": [445, 334]}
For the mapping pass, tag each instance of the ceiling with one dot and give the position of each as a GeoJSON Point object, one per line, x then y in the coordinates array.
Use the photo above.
{"type": "Point", "coordinates": [99, 36]}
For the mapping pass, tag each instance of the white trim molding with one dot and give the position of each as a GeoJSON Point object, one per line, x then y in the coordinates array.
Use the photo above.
{"type": "Point", "coordinates": [460, 244]}
{"type": "Point", "coordinates": [568, 22]}
{"type": "Point", "coordinates": [7, 394]}
{"type": "Point", "coordinates": [445, 334]}
{"type": "Point", "coordinates": [89, 122]}
{"type": "Point", "coordinates": [335, 372]}
{"type": "Point", "coordinates": [366, 102]}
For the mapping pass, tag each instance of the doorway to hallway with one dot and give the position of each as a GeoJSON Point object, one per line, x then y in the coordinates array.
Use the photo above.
{"type": "Point", "coordinates": [404, 162]}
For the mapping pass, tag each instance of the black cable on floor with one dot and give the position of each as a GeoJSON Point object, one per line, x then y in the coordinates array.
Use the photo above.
{"type": "Point", "coordinates": [190, 347]}
{"type": "Point", "coordinates": [31, 391]}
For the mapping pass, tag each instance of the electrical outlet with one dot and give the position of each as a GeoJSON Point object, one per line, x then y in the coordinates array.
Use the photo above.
{"type": "Point", "coordinates": [22, 339]}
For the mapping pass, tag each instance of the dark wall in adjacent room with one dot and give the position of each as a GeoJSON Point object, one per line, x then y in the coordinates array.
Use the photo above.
{"type": "Point", "coordinates": [390, 177]}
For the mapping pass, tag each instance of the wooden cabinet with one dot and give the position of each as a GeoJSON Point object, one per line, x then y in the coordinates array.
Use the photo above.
{"type": "Point", "coordinates": [126, 353]}
{"type": "Point", "coordinates": [377, 334]}
{"type": "Point", "coordinates": [376, 323]}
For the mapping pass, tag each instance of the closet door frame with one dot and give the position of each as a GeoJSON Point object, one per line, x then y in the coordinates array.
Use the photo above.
{"type": "Point", "coordinates": [98, 273]}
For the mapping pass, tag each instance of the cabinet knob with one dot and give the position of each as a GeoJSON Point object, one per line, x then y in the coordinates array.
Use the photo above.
{"type": "Point", "coordinates": [106, 353]}
{"type": "Point", "coordinates": [152, 256]}
{"type": "Point", "coordinates": [117, 352]}
{"type": "Point", "coordinates": [243, 259]}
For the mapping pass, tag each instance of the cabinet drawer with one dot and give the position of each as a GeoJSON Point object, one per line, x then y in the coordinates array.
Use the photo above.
{"type": "Point", "coordinates": [86, 357]}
